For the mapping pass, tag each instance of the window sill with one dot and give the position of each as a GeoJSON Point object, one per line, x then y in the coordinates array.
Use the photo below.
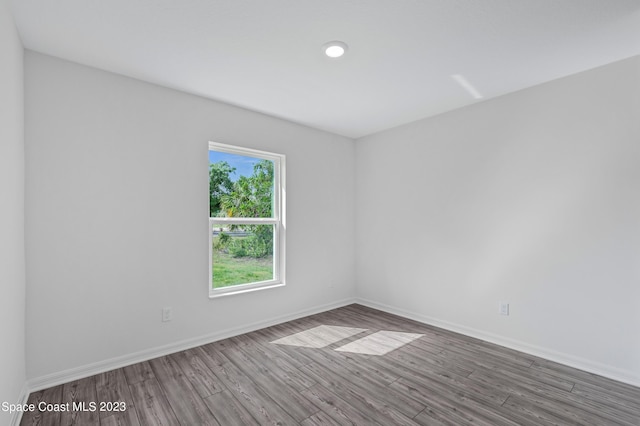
{"type": "Point", "coordinates": [214, 294]}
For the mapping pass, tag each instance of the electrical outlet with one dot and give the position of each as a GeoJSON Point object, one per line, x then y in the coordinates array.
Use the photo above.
{"type": "Point", "coordinates": [167, 314]}
{"type": "Point", "coordinates": [503, 308]}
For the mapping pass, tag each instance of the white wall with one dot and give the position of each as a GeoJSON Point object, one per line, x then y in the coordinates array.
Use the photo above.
{"type": "Point", "coordinates": [12, 256]}
{"type": "Point", "coordinates": [117, 216]}
{"type": "Point", "coordinates": [531, 198]}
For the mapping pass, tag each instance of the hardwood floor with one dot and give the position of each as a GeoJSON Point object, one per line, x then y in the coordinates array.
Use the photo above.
{"type": "Point", "coordinates": [293, 374]}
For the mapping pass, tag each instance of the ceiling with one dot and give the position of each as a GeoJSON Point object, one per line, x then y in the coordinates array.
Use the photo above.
{"type": "Point", "coordinates": [265, 55]}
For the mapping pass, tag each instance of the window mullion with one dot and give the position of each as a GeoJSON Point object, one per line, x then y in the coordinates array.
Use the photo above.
{"type": "Point", "coordinates": [244, 220]}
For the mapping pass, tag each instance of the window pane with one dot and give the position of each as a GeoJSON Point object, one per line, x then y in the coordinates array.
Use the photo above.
{"type": "Point", "coordinates": [240, 186]}
{"type": "Point", "coordinates": [242, 254]}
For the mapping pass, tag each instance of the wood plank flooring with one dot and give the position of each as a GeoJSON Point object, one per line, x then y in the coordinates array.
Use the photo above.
{"type": "Point", "coordinates": [438, 378]}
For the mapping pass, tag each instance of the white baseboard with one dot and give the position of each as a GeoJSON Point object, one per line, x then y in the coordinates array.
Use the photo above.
{"type": "Point", "coordinates": [604, 370]}
{"type": "Point", "coordinates": [22, 399]}
{"type": "Point", "coordinates": [81, 372]}
{"type": "Point", "coordinates": [88, 370]}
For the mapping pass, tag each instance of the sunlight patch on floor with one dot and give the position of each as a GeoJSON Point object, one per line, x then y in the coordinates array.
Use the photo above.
{"type": "Point", "coordinates": [319, 337]}
{"type": "Point", "coordinates": [379, 343]}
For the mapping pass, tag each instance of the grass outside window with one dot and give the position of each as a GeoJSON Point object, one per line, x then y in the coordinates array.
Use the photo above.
{"type": "Point", "coordinates": [229, 270]}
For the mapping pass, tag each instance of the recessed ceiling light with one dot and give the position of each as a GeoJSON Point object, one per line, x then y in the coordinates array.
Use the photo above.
{"type": "Point", "coordinates": [334, 49]}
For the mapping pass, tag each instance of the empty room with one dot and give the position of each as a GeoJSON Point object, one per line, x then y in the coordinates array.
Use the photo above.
{"type": "Point", "coordinates": [418, 212]}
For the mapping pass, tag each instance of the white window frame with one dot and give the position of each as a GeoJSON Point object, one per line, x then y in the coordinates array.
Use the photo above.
{"type": "Point", "coordinates": [278, 220]}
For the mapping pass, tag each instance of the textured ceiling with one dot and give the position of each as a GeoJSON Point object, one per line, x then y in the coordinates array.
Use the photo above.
{"type": "Point", "coordinates": [265, 55]}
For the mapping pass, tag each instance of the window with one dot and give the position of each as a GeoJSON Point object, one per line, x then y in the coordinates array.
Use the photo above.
{"type": "Point", "coordinates": [246, 219]}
